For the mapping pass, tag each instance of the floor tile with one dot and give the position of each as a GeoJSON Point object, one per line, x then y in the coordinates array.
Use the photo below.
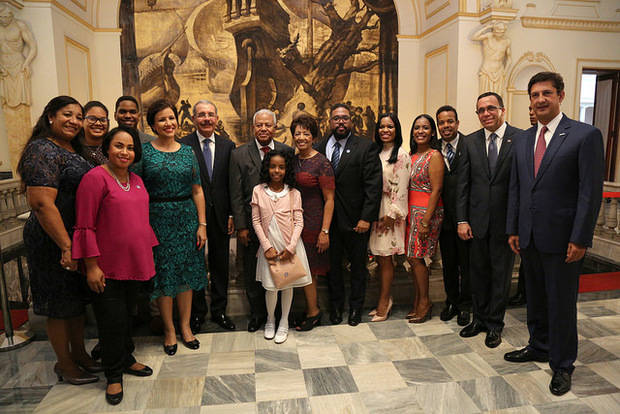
{"type": "Point", "coordinates": [22, 399]}
{"type": "Point", "coordinates": [176, 392]}
{"type": "Point", "coordinates": [136, 396]}
{"type": "Point", "coordinates": [604, 404]}
{"type": "Point", "coordinates": [517, 336]}
{"type": "Point", "coordinates": [609, 343]}
{"type": "Point", "coordinates": [405, 348]}
{"type": "Point", "coordinates": [447, 398]}
{"type": "Point", "coordinates": [181, 410]}
{"type": "Point", "coordinates": [228, 389]}
{"type": "Point", "coordinates": [492, 393]}
{"type": "Point", "coordinates": [233, 342]}
{"type": "Point", "coordinates": [363, 353]}
{"type": "Point", "coordinates": [61, 399]}
{"type": "Point", "coordinates": [182, 366]}
{"type": "Point", "coordinates": [612, 323]}
{"type": "Point", "coordinates": [503, 367]}
{"type": "Point", "coordinates": [588, 352]}
{"type": "Point", "coordinates": [298, 405]}
{"type": "Point", "coordinates": [280, 385]}
{"type": "Point", "coordinates": [609, 370]}
{"type": "Point", "coordinates": [432, 327]}
{"type": "Point", "coordinates": [592, 329]}
{"type": "Point", "coordinates": [586, 383]}
{"type": "Point", "coordinates": [323, 335]}
{"type": "Point", "coordinates": [594, 310]}
{"type": "Point", "coordinates": [418, 371]}
{"type": "Point", "coordinates": [346, 334]}
{"type": "Point", "coordinates": [466, 366]}
{"type": "Point", "coordinates": [533, 386]}
{"type": "Point", "coordinates": [320, 356]}
{"type": "Point", "coordinates": [448, 344]}
{"type": "Point", "coordinates": [391, 329]}
{"type": "Point", "coordinates": [399, 401]}
{"type": "Point", "coordinates": [332, 380]}
{"type": "Point", "coordinates": [565, 407]}
{"type": "Point", "coordinates": [33, 374]}
{"type": "Point", "coordinates": [239, 408]}
{"type": "Point", "coordinates": [377, 377]}
{"type": "Point", "coordinates": [525, 409]}
{"type": "Point", "coordinates": [230, 363]}
{"type": "Point", "coordinates": [276, 360]}
{"type": "Point", "coordinates": [337, 404]}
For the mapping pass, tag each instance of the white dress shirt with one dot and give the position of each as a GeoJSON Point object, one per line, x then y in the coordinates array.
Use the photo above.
{"type": "Point", "coordinates": [551, 127]}
{"type": "Point", "coordinates": [498, 141]}
{"type": "Point", "coordinates": [329, 149]}
{"type": "Point", "coordinates": [207, 141]}
{"type": "Point", "coordinates": [259, 146]}
{"type": "Point", "coordinates": [444, 149]}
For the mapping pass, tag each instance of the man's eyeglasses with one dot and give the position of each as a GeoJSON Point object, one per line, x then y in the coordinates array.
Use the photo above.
{"type": "Point", "coordinates": [490, 108]}
{"type": "Point", "coordinates": [93, 120]}
{"type": "Point", "coordinates": [340, 118]}
{"type": "Point", "coordinates": [203, 115]}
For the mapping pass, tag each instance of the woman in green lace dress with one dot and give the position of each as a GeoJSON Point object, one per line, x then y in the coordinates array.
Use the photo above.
{"type": "Point", "coordinates": [177, 214]}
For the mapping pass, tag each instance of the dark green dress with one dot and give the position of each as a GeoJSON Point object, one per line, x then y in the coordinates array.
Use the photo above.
{"type": "Point", "coordinates": [168, 177]}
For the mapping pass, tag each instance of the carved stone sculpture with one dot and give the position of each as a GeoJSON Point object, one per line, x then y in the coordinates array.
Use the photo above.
{"type": "Point", "coordinates": [496, 57]}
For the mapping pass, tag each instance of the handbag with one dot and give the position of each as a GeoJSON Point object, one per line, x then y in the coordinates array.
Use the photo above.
{"type": "Point", "coordinates": [285, 272]}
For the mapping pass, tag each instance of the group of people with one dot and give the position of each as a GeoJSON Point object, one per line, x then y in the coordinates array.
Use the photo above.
{"type": "Point", "coordinates": [117, 211]}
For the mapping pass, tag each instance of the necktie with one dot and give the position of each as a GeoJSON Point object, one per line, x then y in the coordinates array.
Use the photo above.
{"type": "Point", "coordinates": [336, 155]}
{"type": "Point", "coordinates": [206, 153]}
{"type": "Point", "coordinates": [265, 150]}
{"type": "Point", "coordinates": [492, 152]}
{"type": "Point", "coordinates": [449, 154]}
{"type": "Point", "coordinates": [541, 146]}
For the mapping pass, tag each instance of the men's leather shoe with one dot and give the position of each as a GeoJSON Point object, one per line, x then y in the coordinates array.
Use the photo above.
{"type": "Point", "coordinates": [355, 317]}
{"type": "Point", "coordinates": [526, 354]}
{"type": "Point", "coordinates": [255, 324]}
{"type": "Point", "coordinates": [223, 320]}
{"type": "Point", "coordinates": [449, 312]}
{"type": "Point", "coordinates": [463, 318]}
{"type": "Point", "coordinates": [335, 317]}
{"type": "Point", "coordinates": [472, 329]}
{"type": "Point", "coordinates": [560, 383]}
{"type": "Point", "coordinates": [517, 300]}
{"type": "Point", "coordinates": [195, 323]}
{"type": "Point", "coordinates": [494, 338]}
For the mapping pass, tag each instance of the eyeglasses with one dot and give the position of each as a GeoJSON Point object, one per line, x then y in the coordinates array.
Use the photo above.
{"type": "Point", "coordinates": [490, 108]}
{"type": "Point", "coordinates": [93, 120]}
{"type": "Point", "coordinates": [203, 115]}
{"type": "Point", "coordinates": [340, 118]}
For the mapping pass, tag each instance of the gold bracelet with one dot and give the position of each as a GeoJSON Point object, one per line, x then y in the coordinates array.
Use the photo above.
{"type": "Point", "coordinates": [203, 224]}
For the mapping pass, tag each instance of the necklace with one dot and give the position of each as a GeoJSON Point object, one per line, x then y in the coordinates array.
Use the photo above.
{"type": "Point", "coordinates": [125, 187]}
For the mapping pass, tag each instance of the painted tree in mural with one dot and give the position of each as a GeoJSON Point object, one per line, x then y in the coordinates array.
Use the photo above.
{"type": "Point", "coordinates": [339, 56]}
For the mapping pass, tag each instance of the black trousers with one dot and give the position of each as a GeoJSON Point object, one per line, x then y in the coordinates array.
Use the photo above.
{"type": "Point", "coordinates": [521, 282]}
{"type": "Point", "coordinates": [491, 262]}
{"type": "Point", "coordinates": [552, 286]}
{"type": "Point", "coordinates": [455, 261]}
{"type": "Point", "coordinates": [355, 246]}
{"type": "Point", "coordinates": [253, 289]}
{"type": "Point", "coordinates": [218, 255]}
{"type": "Point", "coordinates": [113, 313]}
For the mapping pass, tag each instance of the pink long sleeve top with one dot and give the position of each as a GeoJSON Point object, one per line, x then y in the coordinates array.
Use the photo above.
{"type": "Point", "coordinates": [113, 226]}
{"type": "Point", "coordinates": [265, 207]}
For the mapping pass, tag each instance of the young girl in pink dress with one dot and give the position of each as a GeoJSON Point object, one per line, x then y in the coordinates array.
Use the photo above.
{"type": "Point", "coordinates": [277, 217]}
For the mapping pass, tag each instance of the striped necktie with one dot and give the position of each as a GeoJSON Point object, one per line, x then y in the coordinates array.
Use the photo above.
{"type": "Point", "coordinates": [336, 155]}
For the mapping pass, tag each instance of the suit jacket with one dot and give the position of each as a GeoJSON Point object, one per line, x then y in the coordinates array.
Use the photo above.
{"type": "Point", "coordinates": [359, 182]}
{"type": "Point", "coordinates": [482, 197]}
{"type": "Point", "coordinates": [448, 191]}
{"type": "Point", "coordinates": [245, 167]}
{"type": "Point", "coordinates": [215, 189]}
{"type": "Point", "coordinates": [561, 204]}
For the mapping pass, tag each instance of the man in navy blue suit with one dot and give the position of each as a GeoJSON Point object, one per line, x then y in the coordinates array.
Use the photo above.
{"type": "Point", "coordinates": [556, 187]}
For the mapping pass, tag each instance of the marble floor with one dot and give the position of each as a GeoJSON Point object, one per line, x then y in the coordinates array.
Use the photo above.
{"type": "Point", "coordinates": [389, 367]}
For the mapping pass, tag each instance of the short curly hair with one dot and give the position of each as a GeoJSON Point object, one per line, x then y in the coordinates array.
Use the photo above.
{"type": "Point", "coordinates": [289, 173]}
{"type": "Point", "coordinates": [158, 106]}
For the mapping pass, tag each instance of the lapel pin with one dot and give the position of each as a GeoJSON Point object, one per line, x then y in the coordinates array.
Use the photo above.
{"type": "Point", "coordinates": [348, 151]}
{"type": "Point", "coordinates": [562, 134]}
{"type": "Point", "coordinates": [508, 140]}
{"type": "Point", "coordinates": [138, 187]}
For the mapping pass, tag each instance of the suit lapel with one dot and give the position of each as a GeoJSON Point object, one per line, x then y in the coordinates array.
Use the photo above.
{"type": "Point", "coordinates": [482, 150]}
{"type": "Point", "coordinates": [254, 155]}
{"type": "Point", "coordinates": [529, 152]}
{"type": "Point", "coordinates": [195, 143]}
{"type": "Point", "coordinates": [219, 150]}
{"type": "Point", "coordinates": [346, 152]}
{"type": "Point", "coordinates": [556, 142]}
{"type": "Point", "coordinates": [505, 148]}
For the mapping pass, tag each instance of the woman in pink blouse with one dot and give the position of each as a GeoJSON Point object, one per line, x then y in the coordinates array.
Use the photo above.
{"type": "Point", "coordinates": [114, 238]}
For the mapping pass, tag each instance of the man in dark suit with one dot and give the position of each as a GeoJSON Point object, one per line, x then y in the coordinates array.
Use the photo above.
{"type": "Point", "coordinates": [245, 167]}
{"type": "Point", "coordinates": [359, 184]}
{"type": "Point", "coordinates": [213, 155]}
{"type": "Point", "coordinates": [482, 196]}
{"type": "Point", "coordinates": [556, 188]}
{"type": "Point", "coordinates": [454, 251]}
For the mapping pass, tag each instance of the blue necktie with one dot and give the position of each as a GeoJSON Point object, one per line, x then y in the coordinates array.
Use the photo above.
{"type": "Point", "coordinates": [449, 154]}
{"type": "Point", "coordinates": [492, 152]}
{"type": "Point", "coordinates": [206, 152]}
{"type": "Point", "coordinates": [336, 155]}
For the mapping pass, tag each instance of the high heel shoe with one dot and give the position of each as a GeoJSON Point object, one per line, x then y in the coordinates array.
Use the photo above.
{"type": "Point", "coordinates": [378, 318]}
{"type": "Point", "coordinates": [421, 319]}
{"type": "Point", "coordinates": [372, 312]}
{"type": "Point", "coordinates": [170, 349]}
{"type": "Point", "coordinates": [83, 378]}
{"type": "Point", "coordinates": [114, 399]}
{"type": "Point", "coordinates": [310, 322]}
{"type": "Point", "coordinates": [193, 344]}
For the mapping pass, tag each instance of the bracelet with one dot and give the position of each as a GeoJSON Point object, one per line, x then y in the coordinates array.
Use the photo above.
{"type": "Point", "coordinates": [326, 231]}
{"type": "Point", "coordinates": [203, 224]}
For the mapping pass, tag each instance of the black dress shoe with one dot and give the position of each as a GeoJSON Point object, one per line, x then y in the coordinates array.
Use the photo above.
{"type": "Point", "coordinates": [170, 349]}
{"type": "Point", "coordinates": [525, 355]}
{"type": "Point", "coordinates": [144, 372]}
{"type": "Point", "coordinates": [114, 399]}
{"type": "Point", "coordinates": [335, 317]}
{"type": "Point", "coordinates": [193, 344]}
{"type": "Point", "coordinates": [355, 317]}
{"type": "Point", "coordinates": [463, 318]}
{"type": "Point", "coordinates": [517, 300]}
{"type": "Point", "coordinates": [472, 329]}
{"type": "Point", "coordinates": [255, 324]}
{"type": "Point", "coordinates": [449, 312]}
{"type": "Point", "coordinates": [223, 320]}
{"type": "Point", "coordinates": [494, 338]}
{"type": "Point", "coordinates": [195, 324]}
{"type": "Point", "coordinates": [560, 383]}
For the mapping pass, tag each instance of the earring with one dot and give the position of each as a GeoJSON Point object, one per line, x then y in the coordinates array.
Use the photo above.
{"type": "Point", "coordinates": [51, 122]}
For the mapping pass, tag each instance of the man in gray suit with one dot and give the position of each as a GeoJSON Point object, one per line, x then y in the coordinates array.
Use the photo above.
{"type": "Point", "coordinates": [245, 167]}
{"type": "Point", "coordinates": [481, 204]}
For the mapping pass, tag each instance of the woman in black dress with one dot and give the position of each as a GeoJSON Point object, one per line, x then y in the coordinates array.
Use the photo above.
{"type": "Point", "coordinates": [51, 169]}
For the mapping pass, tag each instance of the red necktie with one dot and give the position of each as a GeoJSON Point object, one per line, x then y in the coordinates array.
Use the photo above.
{"type": "Point", "coordinates": [265, 149]}
{"type": "Point", "coordinates": [541, 146]}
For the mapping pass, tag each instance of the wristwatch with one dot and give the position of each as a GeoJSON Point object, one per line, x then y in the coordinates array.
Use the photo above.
{"type": "Point", "coordinates": [326, 231]}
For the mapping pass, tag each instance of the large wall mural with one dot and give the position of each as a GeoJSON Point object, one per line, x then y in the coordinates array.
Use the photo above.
{"type": "Point", "coordinates": [285, 55]}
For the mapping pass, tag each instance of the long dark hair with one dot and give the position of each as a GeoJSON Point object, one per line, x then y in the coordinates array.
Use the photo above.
{"type": "Point", "coordinates": [289, 174]}
{"type": "Point", "coordinates": [43, 130]}
{"type": "Point", "coordinates": [433, 143]}
{"type": "Point", "coordinates": [398, 137]}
